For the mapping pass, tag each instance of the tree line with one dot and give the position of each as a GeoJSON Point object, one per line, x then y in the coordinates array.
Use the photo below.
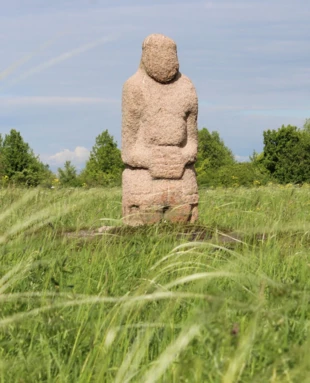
{"type": "Point", "coordinates": [285, 159]}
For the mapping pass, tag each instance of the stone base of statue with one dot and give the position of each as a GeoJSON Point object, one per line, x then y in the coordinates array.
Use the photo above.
{"type": "Point", "coordinates": [148, 200]}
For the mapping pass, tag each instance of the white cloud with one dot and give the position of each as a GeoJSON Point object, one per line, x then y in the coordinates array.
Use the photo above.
{"type": "Point", "coordinates": [54, 101]}
{"type": "Point", "coordinates": [224, 6]}
{"type": "Point", "coordinates": [242, 158]}
{"type": "Point", "coordinates": [58, 59]}
{"type": "Point", "coordinates": [13, 67]}
{"type": "Point", "coordinates": [78, 156]}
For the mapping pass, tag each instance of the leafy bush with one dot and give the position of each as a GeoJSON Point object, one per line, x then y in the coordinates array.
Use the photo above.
{"type": "Point", "coordinates": [105, 165]}
{"type": "Point", "coordinates": [238, 174]}
{"type": "Point", "coordinates": [68, 175]}
{"type": "Point", "coordinates": [286, 154]}
{"type": "Point", "coordinates": [18, 163]}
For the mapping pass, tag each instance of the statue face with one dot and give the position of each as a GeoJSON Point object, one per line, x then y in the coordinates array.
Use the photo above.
{"type": "Point", "coordinates": [159, 58]}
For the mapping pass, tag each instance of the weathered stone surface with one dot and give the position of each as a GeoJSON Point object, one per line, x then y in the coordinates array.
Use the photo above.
{"type": "Point", "coordinates": [159, 138]}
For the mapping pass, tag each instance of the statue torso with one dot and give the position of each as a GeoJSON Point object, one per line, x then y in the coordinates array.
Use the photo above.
{"type": "Point", "coordinates": [163, 111]}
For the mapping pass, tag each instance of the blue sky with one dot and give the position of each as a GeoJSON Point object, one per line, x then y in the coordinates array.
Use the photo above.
{"type": "Point", "coordinates": [63, 64]}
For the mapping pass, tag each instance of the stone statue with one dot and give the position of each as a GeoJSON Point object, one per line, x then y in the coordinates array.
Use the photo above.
{"type": "Point", "coordinates": [159, 138]}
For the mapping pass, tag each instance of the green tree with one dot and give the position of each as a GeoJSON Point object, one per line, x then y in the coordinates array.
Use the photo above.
{"type": "Point", "coordinates": [104, 166]}
{"type": "Point", "coordinates": [287, 154]}
{"type": "Point", "coordinates": [19, 163]}
{"type": "Point", "coordinates": [241, 174]}
{"type": "Point", "coordinates": [212, 155]}
{"type": "Point", "coordinates": [306, 126]}
{"type": "Point", "coordinates": [2, 173]}
{"type": "Point", "coordinates": [68, 175]}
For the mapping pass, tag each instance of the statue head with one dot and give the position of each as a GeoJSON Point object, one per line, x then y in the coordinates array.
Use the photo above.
{"type": "Point", "coordinates": [159, 58]}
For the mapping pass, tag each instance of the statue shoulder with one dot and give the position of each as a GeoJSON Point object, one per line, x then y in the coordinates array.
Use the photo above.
{"type": "Point", "coordinates": [189, 91]}
{"type": "Point", "coordinates": [133, 84]}
{"type": "Point", "coordinates": [186, 82]}
{"type": "Point", "coordinates": [132, 95]}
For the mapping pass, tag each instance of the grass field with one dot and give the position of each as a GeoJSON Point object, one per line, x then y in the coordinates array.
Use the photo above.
{"type": "Point", "coordinates": [226, 300]}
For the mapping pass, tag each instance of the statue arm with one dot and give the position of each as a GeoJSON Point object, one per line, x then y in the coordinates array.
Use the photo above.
{"type": "Point", "coordinates": [132, 105]}
{"type": "Point", "coordinates": [190, 149]}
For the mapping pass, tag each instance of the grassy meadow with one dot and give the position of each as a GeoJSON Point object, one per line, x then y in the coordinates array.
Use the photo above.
{"type": "Point", "coordinates": [225, 300]}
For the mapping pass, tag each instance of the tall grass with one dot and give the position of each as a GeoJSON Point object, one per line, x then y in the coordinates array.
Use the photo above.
{"type": "Point", "coordinates": [226, 300]}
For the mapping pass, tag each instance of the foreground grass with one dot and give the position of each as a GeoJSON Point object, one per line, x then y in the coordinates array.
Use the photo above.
{"type": "Point", "coordinates": [226, 300]}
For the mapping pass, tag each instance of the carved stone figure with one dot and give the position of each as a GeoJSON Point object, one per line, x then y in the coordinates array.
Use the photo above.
{"type": "Point", "coordinates": [159, 138]}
